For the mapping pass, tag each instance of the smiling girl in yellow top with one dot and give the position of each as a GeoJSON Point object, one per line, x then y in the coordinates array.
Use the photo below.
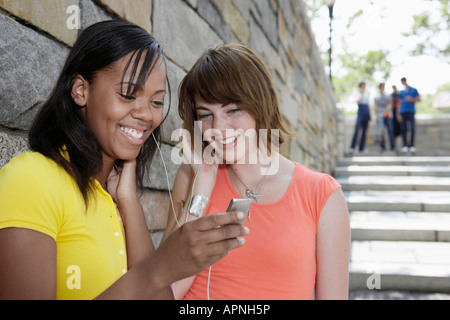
{"type": "Point", "coordinates": [71, 225]}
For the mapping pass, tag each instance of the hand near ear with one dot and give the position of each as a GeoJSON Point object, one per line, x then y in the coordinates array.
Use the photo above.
{"type": "Point", "coordinates": [121, 183]}
{"type": "Point", "coordinates": [196, 158]}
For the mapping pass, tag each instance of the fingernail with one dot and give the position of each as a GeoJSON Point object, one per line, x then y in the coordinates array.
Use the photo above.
{"type": "Point", "coordinates": [241, 241]}
{"type": "Point", "coordinates": [246, 230]}
{"type": "Point", "coordinates": [240, 215]}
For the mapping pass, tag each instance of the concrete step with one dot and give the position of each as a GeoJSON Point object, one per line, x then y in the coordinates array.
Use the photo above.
{"type": "Point", "coordinates": [419, 201]}
{"type": "Point", "coordinates": [400, 220]}
{"type": "Point", "coordinates": [395, 160]}
{"type": "Point", "coordinates": [400, 226]}
{"type": "Point", "coordinates": [400, 265]}
{"type": "Point", "coordinates": [392, 170]}
{"type": "Point", "coordinates": [419, 183]}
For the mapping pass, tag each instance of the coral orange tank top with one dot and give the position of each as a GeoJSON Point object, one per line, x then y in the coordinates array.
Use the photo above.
{"type": "Point", "coordinates": [278, 260]}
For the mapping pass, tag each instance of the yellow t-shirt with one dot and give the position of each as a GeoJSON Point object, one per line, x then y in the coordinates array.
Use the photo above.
{"type": "Point", "coordinates": [38, 194]}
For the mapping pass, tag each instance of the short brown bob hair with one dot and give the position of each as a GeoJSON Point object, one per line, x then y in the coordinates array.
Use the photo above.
{"type": "Point", "coordinates": [233, 74]}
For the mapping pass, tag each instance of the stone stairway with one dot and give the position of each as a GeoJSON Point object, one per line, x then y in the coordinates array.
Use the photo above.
{"type": "Point", "coordinates": [400, 219]}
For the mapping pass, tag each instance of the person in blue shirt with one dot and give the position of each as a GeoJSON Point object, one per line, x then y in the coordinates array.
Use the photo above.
{"type": "Point", "coordinates": [362, 120]}
{"type": "Point", "coordinates": [408, 97]}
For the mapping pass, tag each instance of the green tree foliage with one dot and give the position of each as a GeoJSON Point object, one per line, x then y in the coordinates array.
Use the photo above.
{"type": "Point", "coordinates": [432, 31]}
{"type": "Point", "coordinates": [426, 105]}
{"type": "Point", "coordinates": [368, 67]}
{"type": "Point", "coordinates": [431, 28]}
{"type": "Point", "coordinates": [353, 67]}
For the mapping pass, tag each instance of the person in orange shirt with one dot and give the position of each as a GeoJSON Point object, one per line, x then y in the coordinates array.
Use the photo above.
{"type": "Point", "coordinates": [299, 241]}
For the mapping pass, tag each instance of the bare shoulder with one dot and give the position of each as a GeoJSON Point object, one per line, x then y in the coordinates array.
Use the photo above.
{"type": "Point", "coordinates": [286, 169]}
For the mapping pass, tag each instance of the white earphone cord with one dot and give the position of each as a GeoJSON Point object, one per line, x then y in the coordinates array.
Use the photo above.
{"type": "Point", "coordinates": [173, 207]}
{"type": "Point", "coordinates": [167, 179]}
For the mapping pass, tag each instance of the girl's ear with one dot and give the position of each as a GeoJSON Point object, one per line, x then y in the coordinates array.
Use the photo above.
{"type": "Point", "coordinates": [80, 90]}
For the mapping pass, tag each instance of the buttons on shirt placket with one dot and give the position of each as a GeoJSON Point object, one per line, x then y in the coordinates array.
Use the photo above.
{"type": "Point", "coordinates": [118, 225]}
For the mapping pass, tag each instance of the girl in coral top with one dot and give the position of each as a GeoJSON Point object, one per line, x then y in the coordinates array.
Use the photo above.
{"type": "Point", "coordinates": [298, 245]}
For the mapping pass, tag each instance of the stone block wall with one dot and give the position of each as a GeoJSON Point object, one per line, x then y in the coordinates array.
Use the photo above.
{"type": "Point", "coordinates": [36, 36]}
{"type": "Point", "coordinates": [433, 134]}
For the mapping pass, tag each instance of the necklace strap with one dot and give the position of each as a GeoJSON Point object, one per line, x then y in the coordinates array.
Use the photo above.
{"type": "Point", "coordinates": [249, 192]}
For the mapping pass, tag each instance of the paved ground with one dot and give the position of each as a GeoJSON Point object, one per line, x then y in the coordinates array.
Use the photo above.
{"type": "Point", "coordinates": [396, 295]}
